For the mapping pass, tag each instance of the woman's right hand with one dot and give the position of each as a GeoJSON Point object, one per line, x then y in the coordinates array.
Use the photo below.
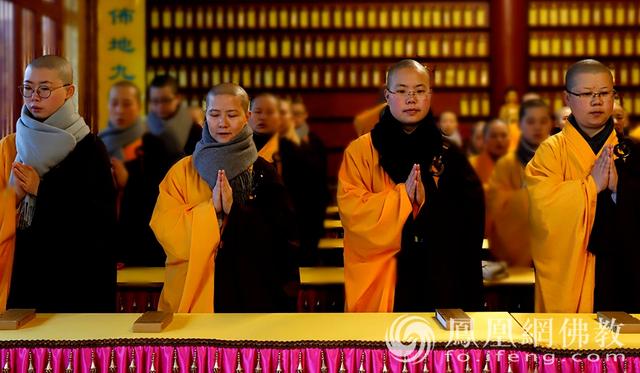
{"type": "Point", "coordinates": [222, 194]}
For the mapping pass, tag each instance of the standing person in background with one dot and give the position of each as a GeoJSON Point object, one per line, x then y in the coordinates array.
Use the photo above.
{"type": "Point", "coordinates": [507, 199]}
{"type": "Point", "coordinates": [171, 135]}
{"type": "Point", "coordinates": [476, 142]}
{"type": "Point", "coordinates": [265, 124]}
{"type": "Point", "coordinates": [448, 124]}
{"type": "Point", "coordinates": [304, 172]}
{"type": "Point", "coordinates": [125, 128]}
{"type": "Point", "coordinates": [287, 124]}
{"type": "Point", "coordinates": [561, 119]}
{"type": "Point", "coordinates": [620, 119]}
{"type": "Point", "coordinates": [170, 119]}
{"type": "Point", "coordinates": [123, 135]}
{"type": "Point", "coordinates": [495, 145]}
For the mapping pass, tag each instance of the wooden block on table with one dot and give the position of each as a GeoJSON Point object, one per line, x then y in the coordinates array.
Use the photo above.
{"type": "Point", "coordinates": [15, 318]}
{"type": "Point", "coordinates": [453, 317]}
{"type": "Point", "coordinates": [152, 322]}
{"type": "Point", "coordinates": [619, 322]}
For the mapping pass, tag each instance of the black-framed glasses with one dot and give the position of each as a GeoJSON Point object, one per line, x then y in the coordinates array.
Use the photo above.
{"type": "Point", "coordinates": [418, 93]}
{"type": "Point", "coordinates": [43, 91]}
{"type": "Point", "coordinates": [605, 95]}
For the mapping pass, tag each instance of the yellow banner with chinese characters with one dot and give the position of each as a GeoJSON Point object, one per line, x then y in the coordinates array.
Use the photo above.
{"type": "Point", "coordinates": [121, 48]}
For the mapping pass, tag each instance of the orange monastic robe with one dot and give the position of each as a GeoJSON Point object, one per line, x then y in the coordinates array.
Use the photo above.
{"type": "Point", "coordinates": [563, 197]}
{"type": "Point", "coordinates": [270, 148]}
{"type": "Point", "coordinates": [130, 151]}
{"type": "Point", "coordinates": [373, 210]}
{"type": "Point", "coordinates": [184, 222]}
{"type": "Point", "coordinates": [483, 165]}
{"type": "Point", "coordinates": [514, 135]}
{"type": "Point", "coordinates": [366, 120]}
{"type": "Point", "coordinates": [7, 217]}
{"type": "Point", "coordinates": [508, 212]}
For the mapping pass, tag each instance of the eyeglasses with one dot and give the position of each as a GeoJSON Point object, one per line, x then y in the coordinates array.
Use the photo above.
{"type": "Point", "coordinates": [419, 93]}
{"type": "Point", "coordinates": [605, 95]}
{"type": "Point", "coordinates": [43, 91]}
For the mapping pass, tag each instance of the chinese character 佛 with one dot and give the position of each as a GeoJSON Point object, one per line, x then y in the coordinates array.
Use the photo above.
{"type": "Point", "coordinates": [124, 15]}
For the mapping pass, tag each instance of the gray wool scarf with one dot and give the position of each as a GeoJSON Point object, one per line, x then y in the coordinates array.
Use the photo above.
{"type": "Point", "coordinates": [173, 131]}
{"type": "Point", "coordinates": [234, 157]}
{"type": "Point", "coordinates": [43, 145]}
{"type": "Point", "coordinates": [116, 138]}
{"type": "Point", "coordinates": [303, 131]}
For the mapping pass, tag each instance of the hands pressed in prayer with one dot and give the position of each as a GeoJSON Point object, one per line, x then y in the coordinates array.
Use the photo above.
{"type": "Point", "coordinates": [226, 193]}
{"type": "Point", "coordinates": [613, 173]}
{"type": "Point", "coordinates": [27, 180]}
{"type": "Point", "coordinates": [415, 187]}
{"type": "Point", "coordinates": [601, 169]}
{"type": "Point", "coordinates": [222, 194]}
{"type": "Point", "coordinates": [120, 173]}
{"type": "Point", "coordinates": [421, 194]}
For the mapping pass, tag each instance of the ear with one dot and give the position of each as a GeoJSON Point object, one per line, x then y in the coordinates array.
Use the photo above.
{"type": "Point", "coordinates": [70, 91]}
{"type": "Point", "coordinates": [386, 95]}
{"type": "Point", "coordinates": [248, 115]}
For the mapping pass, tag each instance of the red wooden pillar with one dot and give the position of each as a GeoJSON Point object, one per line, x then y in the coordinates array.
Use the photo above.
{"type": "Point", "coordinates": [509, 43]}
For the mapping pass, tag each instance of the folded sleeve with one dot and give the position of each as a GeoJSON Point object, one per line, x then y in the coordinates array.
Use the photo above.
{"type": "Point", "coordinates": [372, 216]}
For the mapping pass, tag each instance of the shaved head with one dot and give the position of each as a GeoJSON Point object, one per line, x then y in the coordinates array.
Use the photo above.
{"type": "Point", "coordinates": [582, 67]}
{"type": "Point", "coordinates": [230, 89]}
{"type": "Point", "coordinates": [128, 84]}
{"type": "Point", "coordinates": [496, 138]}
{"type": "Point", "coordinates": [405, 64]}
{"type": "Point", "coordinates": [266, 96]}
{"type": "Point", "coordinates": [59, 64]}
{"type": "Point", "coordinates": [486, 129]}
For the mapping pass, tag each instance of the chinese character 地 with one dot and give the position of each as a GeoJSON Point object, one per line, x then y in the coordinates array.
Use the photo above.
{"type": "Point", "coordinates": [121, 44]}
